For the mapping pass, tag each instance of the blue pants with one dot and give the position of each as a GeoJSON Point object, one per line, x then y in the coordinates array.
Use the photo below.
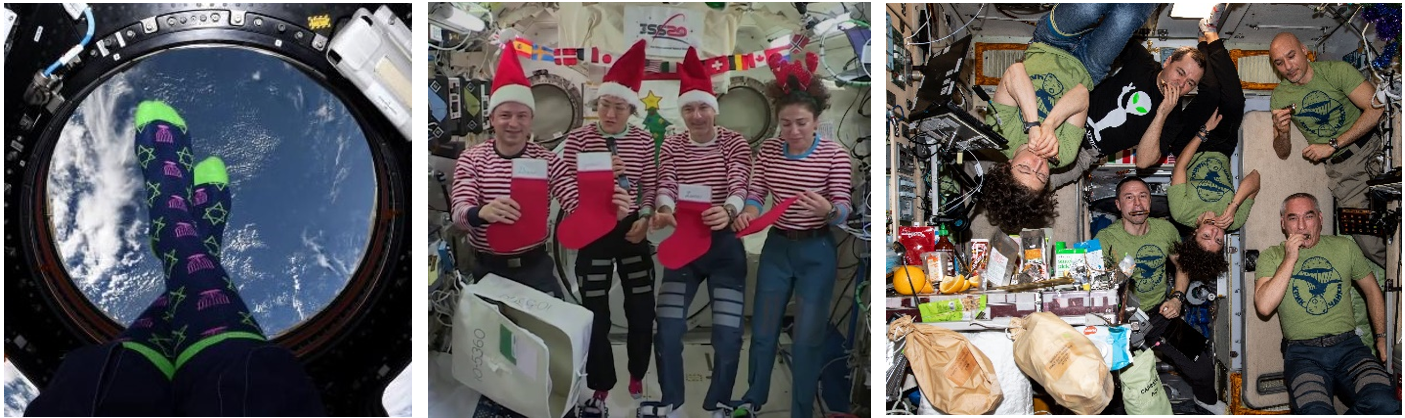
{"type": "Point", "coordinates": [724, 269]}
{"type": "Point", "coordinates": [1093, 32]}
{"type": "Point", "coordinates": [807, 267]}
{"type": "Point", "coordinates": [1346, 369]}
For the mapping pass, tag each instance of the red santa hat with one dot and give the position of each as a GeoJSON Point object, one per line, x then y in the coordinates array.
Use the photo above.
{"type": "Point", "coordinates": [694, 85]}
{"type": "Point", "coordinates": [510, 83]}
{"type": "Point", "coordinates": [625, 76]}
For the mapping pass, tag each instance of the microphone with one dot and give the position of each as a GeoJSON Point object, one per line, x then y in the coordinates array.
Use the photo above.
{"type": "Point", "coordinates": [621, 179]}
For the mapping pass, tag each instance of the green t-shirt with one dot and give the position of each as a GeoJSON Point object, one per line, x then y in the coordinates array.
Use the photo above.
{"type": "Point", "coordinates": [1150, 252]}
{"type": "Point", "coordinates": [1324, 108]}
{"type": "Point", "coordinates": [1053, 72]}
{"type": "Point", "coordinates": [1316, 302]}
{"type": "Point", "coordinates": [1209, 186]}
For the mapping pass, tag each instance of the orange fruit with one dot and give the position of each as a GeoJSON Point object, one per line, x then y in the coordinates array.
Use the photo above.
{"type": "Point", "coordinates": [907, 279]}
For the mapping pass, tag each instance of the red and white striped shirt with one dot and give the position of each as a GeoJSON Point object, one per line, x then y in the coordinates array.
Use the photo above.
{"type": "Point", "coordinates": [724, 164]}
{"type": "Point", "coordinates": [636, 149]}
{"type": "Point", "coordinates": [482, 174]}
{"type": "Point", "coordinates": [825, 169]}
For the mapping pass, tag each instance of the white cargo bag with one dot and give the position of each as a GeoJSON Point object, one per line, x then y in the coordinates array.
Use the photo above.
{"type": "Point", "coordinates": [527, 354]}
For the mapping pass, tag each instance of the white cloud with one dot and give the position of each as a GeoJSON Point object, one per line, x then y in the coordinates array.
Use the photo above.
{"type": "Point", "coordinates": [95, 190]}
{"type": "Point", "coordinates": [19, 391]}
{"type": "Point", "coordinates": [297, 97]}
{"type": "Point", "coordinates": [320, 255]}
{"type": "Point", "coordinates": [258, 75]}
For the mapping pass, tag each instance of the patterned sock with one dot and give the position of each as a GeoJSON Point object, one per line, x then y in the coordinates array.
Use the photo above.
{"type": "Point", "coordinates": [211, 202]}
{"type": "Point", "coordinates": [147, 335]}
{"type": "Point", "coordinates": [217, 312]}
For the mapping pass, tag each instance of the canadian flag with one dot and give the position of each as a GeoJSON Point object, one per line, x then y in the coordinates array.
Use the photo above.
{"type": "Point", "coordinates": [757, 58]}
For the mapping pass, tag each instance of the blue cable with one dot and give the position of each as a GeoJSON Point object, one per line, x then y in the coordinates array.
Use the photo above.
{"type": "Point", "coordinates": [88, 15]}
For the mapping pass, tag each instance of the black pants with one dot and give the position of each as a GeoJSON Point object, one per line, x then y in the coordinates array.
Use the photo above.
{"type": "Point", "coordinates": [595, 271]}
{"type": "Point", "coordinates": [534, 268]}
{"type": "Point", "coordinates": [235, 377]}
{"type": "Point", "coordinates": [1199, 372]}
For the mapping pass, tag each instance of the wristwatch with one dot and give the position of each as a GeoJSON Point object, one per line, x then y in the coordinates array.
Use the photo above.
{"type": "Point", "coordinates": [1333, 144]}
{"type": "Point", "coordinates": [1179, 295]}
{"type": "Point", "coordinates": [1030, 125]}
{"type": "Point", "coordinates": [731, 213]}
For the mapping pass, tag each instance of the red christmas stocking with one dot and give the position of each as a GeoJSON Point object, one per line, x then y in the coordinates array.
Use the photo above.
{"type": "Point", "coordinates": [768, 218]}
{"type": "Point", "coordinates": [692, 238]}
{"type": "Point", "coordinates": [595, 215]}
{"type": "Point", "coordinates": [529, 190]}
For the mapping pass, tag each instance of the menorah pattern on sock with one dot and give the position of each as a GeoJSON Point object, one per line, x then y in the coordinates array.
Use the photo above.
{"type": "Point", "coordinates": [163, 134]}
{"type": "Point", "coordinates": [199, 197]}
{"type": "Point", "coordinates": [198, 262]}
{"type": "Point", "coordinates": [213, 331]}
{"type": "Point", "coordinates": [171, 169]}
{"type": "Point", "coordinates": [143, 322]}
{"type": "Point", "coordinates": [176, 202]}
{"type": "Point", "coordinates": [209, 298]}
{"type": "Point", "coordinates": [184, 229]}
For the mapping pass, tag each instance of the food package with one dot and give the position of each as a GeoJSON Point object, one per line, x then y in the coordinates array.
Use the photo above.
{"type": "Point", "coordinates": [1094, 256]}
{"type": "Point", "coordinates": [951, 372]}
{"type": "Point", "coordinates": [954, 308]}
{"type": "Point", "coordinates": [1063, 361]}
{"type": "Point", "coordinates": [917, 240]}
{"type": "Point", "coordinates": [980, 255]}
{"type": "Point", "coordinates": [1035, 267]}
{"type": "Point", "coordinates": [935, 263]}
{"type": "Point", "coordinates": [1112, 343]}
{"type": "Point", "coordinates": [1004, 258]}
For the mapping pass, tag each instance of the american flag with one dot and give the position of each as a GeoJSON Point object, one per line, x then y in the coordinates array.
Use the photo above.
{"type": "Point", "coordinates": [660, 66]}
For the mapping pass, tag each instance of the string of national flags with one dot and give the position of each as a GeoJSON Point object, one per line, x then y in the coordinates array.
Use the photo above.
{"type": "Point", "coordinates": [655, 69]}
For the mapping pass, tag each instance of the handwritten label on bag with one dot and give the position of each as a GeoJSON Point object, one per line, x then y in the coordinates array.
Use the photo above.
{"type": "Point", "coordinates": [529, 168]}
{"type": "Point", "coordinates": [694, 193]}
{"type": "Point", "coordinates": [594, 161]}
{"type": "Point", "coordinates": [962, 368]}
{"type": "Point", "coordinates": [1058, 364]}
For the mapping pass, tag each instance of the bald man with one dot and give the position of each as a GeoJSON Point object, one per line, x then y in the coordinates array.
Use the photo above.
{"type": "Point", "coordinates": [1330, 102]}
{"type": "Point", "coordinates": [1305, 280]}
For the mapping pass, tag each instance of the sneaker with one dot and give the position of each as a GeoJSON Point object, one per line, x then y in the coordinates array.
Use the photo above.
{"type": "Point", "coordinates": [652, 409]}
{"type": "Point", "coordinates": [636, 388]}
{"type": "Point", "coordinates": [593, 408]}
{"type": "Point", "coordinates": [743, 410]}
{"type": "Point", "coordinates": [1210, 24]}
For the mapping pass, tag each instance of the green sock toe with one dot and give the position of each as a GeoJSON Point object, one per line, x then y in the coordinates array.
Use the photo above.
{"type": "Point", "coordinates": [152, 110]}
{"type": "Point", "coordinates": [211, 170]}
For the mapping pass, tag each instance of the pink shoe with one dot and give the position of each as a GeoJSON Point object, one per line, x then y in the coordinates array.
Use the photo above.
{"type": "Point", "coordinates": [636, 388]}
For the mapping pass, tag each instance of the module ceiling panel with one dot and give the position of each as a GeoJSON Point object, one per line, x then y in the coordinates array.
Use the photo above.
{"type": "Point", "coordinates": [1245, 25]}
